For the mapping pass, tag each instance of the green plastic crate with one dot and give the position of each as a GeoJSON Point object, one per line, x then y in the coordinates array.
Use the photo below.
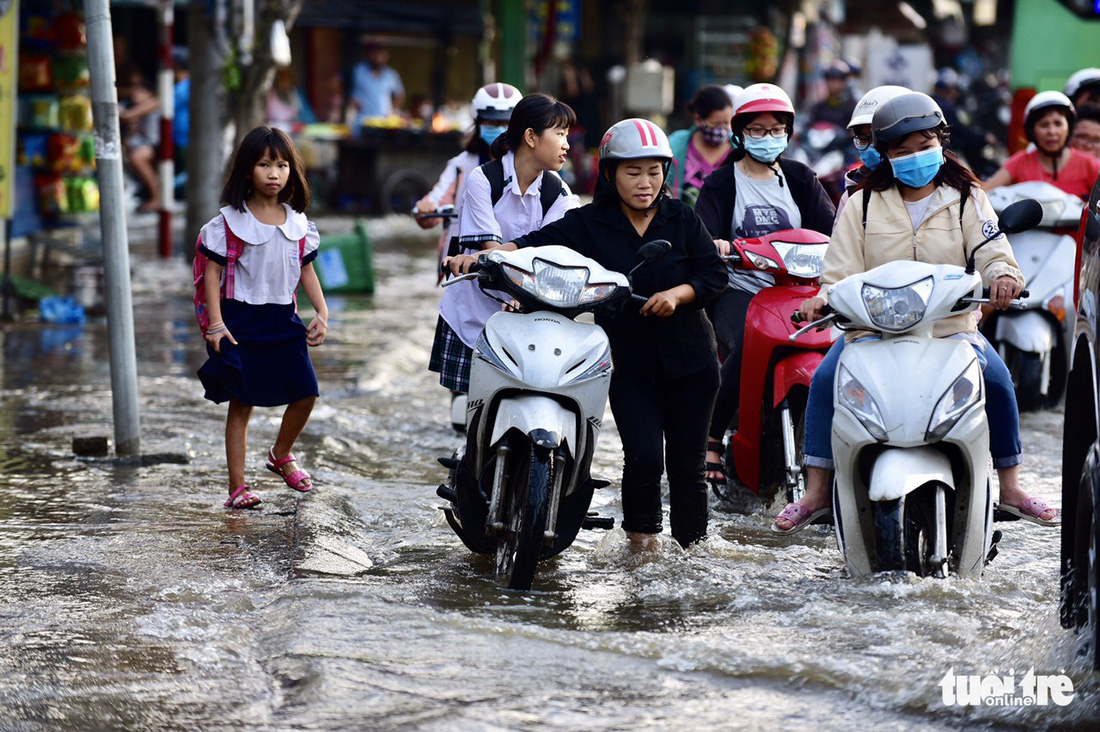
{"type": "Point", "coordinates": [346, 263]}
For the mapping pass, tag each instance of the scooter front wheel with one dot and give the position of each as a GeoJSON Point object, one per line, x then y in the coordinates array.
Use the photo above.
{"type": "Point", "coordinates": [519, 547]}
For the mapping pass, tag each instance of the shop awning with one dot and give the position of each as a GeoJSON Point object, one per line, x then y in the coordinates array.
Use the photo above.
{"type": "Point", "coordinates": [461, 18]}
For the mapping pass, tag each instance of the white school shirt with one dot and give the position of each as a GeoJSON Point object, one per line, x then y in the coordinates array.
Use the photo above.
{"type": "Point", "coordinates": [464, 306]}
{"type": "Point", "coordinates": [267, 271]}
{"type": "Point", "coordinates": [460, 167]}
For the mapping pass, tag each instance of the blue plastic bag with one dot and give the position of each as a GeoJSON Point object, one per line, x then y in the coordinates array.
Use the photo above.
{"type": "Point", "coordinates": [60, 310]}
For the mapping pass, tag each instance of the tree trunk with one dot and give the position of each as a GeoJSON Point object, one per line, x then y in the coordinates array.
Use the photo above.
{"type": "Point", "coordinates": [247, 103]}
{"type": "Point", "coordinates": [206, 147]}
{"type": "Point", "coordinates": [634, 17]}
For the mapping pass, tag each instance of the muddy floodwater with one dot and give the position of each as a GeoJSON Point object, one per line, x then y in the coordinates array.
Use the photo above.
{"type": "Point", "coordinates": [132, 600]}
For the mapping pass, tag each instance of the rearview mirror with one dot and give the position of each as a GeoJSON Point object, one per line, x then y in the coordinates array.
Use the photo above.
{"type": "Point", "coordinates": [653, 251]}
{"type": "Point", "coordinates": [1020, 216]}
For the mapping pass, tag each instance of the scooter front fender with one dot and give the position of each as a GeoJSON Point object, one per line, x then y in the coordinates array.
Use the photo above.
{"type": "Point", "coordinates": [796, 369]}
{"type": "Point", "coordinates": [900, 471]}
{"type": "Point", "coordinates": [530, 412]}
{"type": "Point", "coordinates": [1027, 331]}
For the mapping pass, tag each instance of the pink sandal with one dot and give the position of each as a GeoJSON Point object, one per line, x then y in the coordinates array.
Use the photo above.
{"type": "Point", "coordinates": [799, 516]}
{"type": "Point", "coordinates": [242, 498]}
{"type": "Point", "coordinates": [299, 480]}
{"type": "Point", "coordinates": [1031, 510]}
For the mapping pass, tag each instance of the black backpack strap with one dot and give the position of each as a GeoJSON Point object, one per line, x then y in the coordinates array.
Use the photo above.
{"type": "Point", "coordinates": [962, 204]}
{"type": "Point", "coordinates": [866, 203]}
{"type": "Point", "coordinates": [494, 171]}
{"type": "Point", "coordinates": [551, 189]}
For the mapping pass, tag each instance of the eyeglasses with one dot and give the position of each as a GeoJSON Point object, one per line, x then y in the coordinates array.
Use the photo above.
{"type": "Point", "coordinates": [759, 132]}
{"type": "Point", "coordinates": [861, 143]}
{"type": "Point", "coordinates": [1086, 140]}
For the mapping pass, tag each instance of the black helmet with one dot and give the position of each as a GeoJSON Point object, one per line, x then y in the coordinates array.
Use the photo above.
{"type": "Point", "coordinates": [903, 115]}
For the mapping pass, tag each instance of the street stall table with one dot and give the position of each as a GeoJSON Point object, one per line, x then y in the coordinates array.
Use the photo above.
{"type": "Point", "coordinates": [385, 170]}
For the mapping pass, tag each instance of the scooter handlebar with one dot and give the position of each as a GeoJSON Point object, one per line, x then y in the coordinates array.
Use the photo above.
{"type": "Point", "coordinates": [1024, 294]}
{"type": "Point", "coordinates": [796, 316]}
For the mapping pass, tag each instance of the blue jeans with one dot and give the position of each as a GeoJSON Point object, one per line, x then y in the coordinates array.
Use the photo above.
{"type": "Point", "coordinates": [1000, 410]}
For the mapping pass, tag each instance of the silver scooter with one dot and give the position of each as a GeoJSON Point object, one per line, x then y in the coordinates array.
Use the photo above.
{"type": "Point", "coordinates": [520, 487]}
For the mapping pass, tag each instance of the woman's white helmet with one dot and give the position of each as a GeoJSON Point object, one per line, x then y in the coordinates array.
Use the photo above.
{"type": "Point", "coordinates": [495, 102]}
{"type": "Point", "coordinates": [871, 101]}
{"type": "Point", "coordinates": [633, 139]}
{"type": "Point", "coordinates": [1042, 103]}
{"type": "Point", "coordinates": [1085, 78]}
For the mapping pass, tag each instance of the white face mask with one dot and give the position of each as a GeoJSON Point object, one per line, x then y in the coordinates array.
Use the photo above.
{"type": "Point", "coordinates": [765, 149]}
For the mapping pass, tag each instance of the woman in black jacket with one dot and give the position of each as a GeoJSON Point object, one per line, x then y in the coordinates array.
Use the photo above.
{"type": "Point", "coordinates": [666, 367]}
{"type": "Point", "coordinates": [755, 193]}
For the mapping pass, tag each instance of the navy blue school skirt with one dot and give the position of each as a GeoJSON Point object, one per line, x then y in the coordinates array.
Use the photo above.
{"type": "Point", "coordinates": [269, 366]}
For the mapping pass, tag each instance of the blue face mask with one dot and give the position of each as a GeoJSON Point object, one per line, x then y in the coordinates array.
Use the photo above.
{"type": "Point", "coordinates": [870, 157]}
{"type": "Point", "coordinates": [765, 149]}
{"type": "Point", "coordinates": [490, 133]}
{"type": "Point", "coordinates": [918, 170]}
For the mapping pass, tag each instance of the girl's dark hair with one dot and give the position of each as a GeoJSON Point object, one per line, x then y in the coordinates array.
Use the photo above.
{"type": "Point", "coordinates": [538, 112]}
{"type": "Point", "coordinates": [952, 173]}
{"type": "Point", "coordinates": [1089, 112]}
{"type": "Point", "coordinates": [276, 143]}
{"type": "Point", "coordinates": [709, 100]}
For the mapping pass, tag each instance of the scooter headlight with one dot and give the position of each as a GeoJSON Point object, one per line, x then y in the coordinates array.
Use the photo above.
{"type": "Point", "coordinates": [558, 286]}
{"type": "Point", "coordinates": [895, 309]}
{"type": "Point", "coordinates": [853, 395]}
{"type": "Point", "coordinates": [802, 260]}
{"type": "Point", "coordinates": [964, 393]}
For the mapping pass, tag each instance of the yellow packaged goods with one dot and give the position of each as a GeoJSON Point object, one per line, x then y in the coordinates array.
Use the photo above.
{"type": "Point", "coordinates": [75, 113]}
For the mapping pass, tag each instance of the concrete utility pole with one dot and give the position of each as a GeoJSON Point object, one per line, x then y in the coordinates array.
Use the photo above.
{"type": "Point", "coordinates": [206, 146]}
{"type": "Point", "coordinates": [112, 218]}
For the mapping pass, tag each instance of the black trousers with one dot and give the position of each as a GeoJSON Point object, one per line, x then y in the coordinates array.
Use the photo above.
{"type": "Point", "coordinates": [664, 424]}
{"type": "Point", "coordinates": [727, 315]}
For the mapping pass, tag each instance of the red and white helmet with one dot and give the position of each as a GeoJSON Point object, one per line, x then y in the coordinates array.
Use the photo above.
{"type": "Point", "coordinates": [633, 139]}
{"type": "Point", "coordinates": [495, 102]}
{"type": "Point", "coordinates": [762, 98]}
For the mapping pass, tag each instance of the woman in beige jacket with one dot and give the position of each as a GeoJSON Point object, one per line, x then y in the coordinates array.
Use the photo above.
{"type": "Point", "coordinates": [925, 206]}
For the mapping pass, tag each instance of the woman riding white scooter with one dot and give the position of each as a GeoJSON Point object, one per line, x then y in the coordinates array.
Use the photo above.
{"type": "Point", "coordinates": [924, 205]}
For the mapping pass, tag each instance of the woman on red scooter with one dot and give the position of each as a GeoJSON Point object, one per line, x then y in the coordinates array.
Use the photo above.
{"type": "Point", "coordinates": [924, 205]}
{"type": "Point", "coordinates": [666, 369]}
{"type": "Point", "coordinates": [756, 192]}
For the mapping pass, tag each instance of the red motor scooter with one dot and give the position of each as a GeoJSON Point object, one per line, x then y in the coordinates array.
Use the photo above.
{"type": "Point", "coordinates": [764, 453]}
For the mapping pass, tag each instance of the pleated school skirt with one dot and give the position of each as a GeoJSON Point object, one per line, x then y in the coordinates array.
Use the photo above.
{"type": "Point", "coordinates": [269, 366]}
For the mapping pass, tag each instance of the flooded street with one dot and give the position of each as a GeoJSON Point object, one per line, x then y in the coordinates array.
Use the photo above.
{"type": "Point", "coordinates": [131, 599]}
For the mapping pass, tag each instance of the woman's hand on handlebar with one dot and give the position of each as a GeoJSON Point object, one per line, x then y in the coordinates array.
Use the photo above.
{"type": "Point", "coordinates": [459, 264]}
{"type": "Point", "coordinates": [1003, 291]}
{"type": "Point", "coordinates": [425, 206]}
{"type": "Point", "coordinates": [810, 310]}
{"type": "Point", "coordinates": [661, 304]}
{"type": "Point", "coordinates": [724, 247]}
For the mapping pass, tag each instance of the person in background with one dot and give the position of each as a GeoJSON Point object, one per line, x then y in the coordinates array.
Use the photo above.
{"type": "Point", "coordinates": [700, 149]}
{"type": "Point", "coordinates": [181, 95]}
{"type": "Point", "coordinates": [1083, 87]}
{"type": "Point", "coordinates": [965, 139]}
{"type": "Point", "coordinates": [376, 89]}
{"type": "Point", "coordinates": [1086, 133]}
{"type": "Point", "coordinates": [838, 103]}
{"type": "Point", "coordinates": [579, 92]}
{"type": "Point", "coordinates": [1048, 124]}
{"type": "Point", "coordinates": [139, 119]}
{"type": "Point", "coordinates": [287, 107]}
{"type": "Point", "coordinates": [859, 127]}
{"type": "Point", "coordinates": [755, 192]}
{"type": "Point", "coordinates": [256, 344]}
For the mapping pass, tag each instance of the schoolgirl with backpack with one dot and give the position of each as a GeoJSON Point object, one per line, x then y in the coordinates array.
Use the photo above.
{"type": "Point", "coordinates": [250, 260]}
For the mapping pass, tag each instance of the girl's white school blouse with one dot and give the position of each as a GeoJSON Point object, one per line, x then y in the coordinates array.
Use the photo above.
{"type": "Point", "coordinates": [465, 308]}
{"type": "Point", "coordinates": [268, 269]}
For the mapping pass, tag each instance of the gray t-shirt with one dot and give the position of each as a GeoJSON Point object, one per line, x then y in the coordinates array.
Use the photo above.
{"type": "Point", "coordinates": [761, 207]}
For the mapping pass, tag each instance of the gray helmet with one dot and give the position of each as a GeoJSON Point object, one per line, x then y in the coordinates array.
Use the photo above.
{"type": "Point", "coordinates": [633, 139]}
{"type": "Point", "coordinates": [905, 114]}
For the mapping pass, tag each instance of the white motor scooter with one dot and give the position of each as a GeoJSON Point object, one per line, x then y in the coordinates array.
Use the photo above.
{"type": "Point", "coordinates": [520, 488]}
{"type": "Point", "coordinates": [910, 438]}
{"type": "Point", "coordinates": [1035, 340]}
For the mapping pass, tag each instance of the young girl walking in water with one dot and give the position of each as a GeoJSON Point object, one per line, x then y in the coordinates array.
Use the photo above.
{"type": "Point", "coordinates": [260, 247]}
